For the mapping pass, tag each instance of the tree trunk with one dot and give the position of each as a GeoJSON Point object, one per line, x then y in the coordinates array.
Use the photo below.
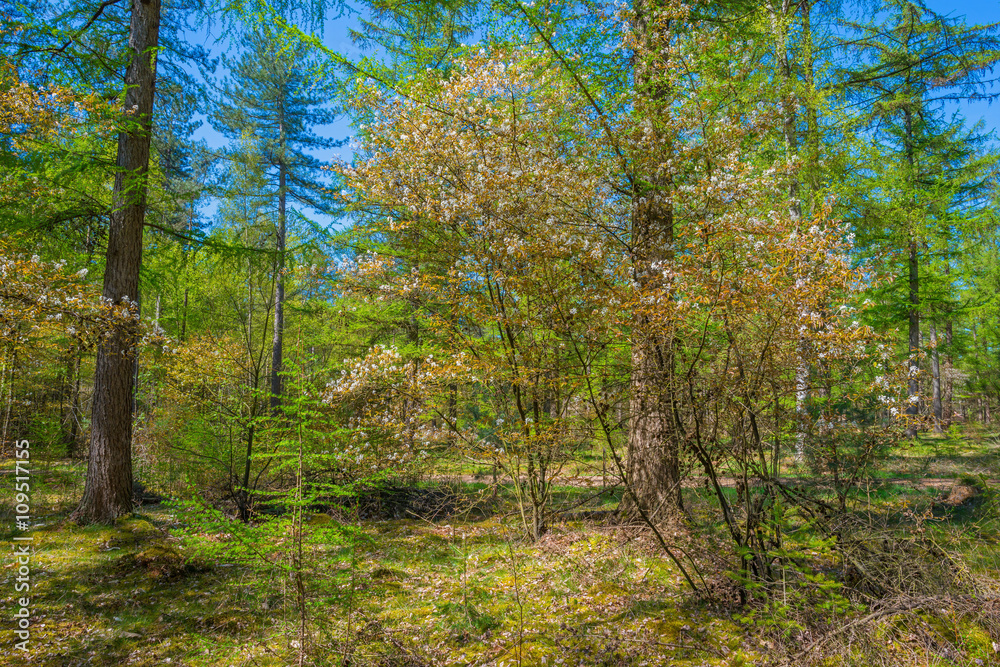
{"type": "Point", "coordinates": [243, 494]}
{"type": "Point", "coordinates": [71, 413]}
{"type": "Point", "coordinates": [812, 139]}
{"type": "Point", "coordinates": [914, 298]}
{"type": "Point", "coordinates": [108, 490]}
{"type": "Point", "coordinates": [453, 413]}
{"type": "Point", "coordinates": [914, 340]}
{"type": "Point", "coordinates": [653, 470]}
{"type": "Point", "coordinates": [781, 15]}
{"type": "Point", "coordinates": [949, 377]}
{"type": "Point", "coordinates": [7, 381]}
{"type": "Point", "coordinates": [184, 317]}
{"type": "Point", "coordinates": [279, 288]}
{"type": "Point", "coordinates": [184, 309]}
{"type": "Point", "coordinates": [936, 379]}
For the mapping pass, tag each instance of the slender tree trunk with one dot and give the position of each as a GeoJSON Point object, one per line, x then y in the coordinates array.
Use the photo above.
{"type": "Point", "coordinates": [781, 14]}
{"type": "Point", "coordinates": [71, 413]}
{"type": "Point", "coordinates": [108, 490]}
{"type": "Point", "coordinates": [7, 381]}
{"type": "Point", "coordinates": [135, 358]}
{"type": "Point", "coordinates": [936, 379]}
{"type": "Point", "coordinates": [184, 316]}
{"type": "Point", "coordinates": [978, 401]}
{"type": "Point", "coordinates": [243, 494]}
{"type": "Point", "coordinates": [812, 139]}
{"type": "Point", "coordinates": [184, 309]}
{"type": "Point", "coordinates": [453, 413]}
{"type": "Point", "coordinates": [412, 404]}
{"type": "Point", "coordinates": [279, 288]}
{"type": "Point", "coordinates": [914, 339]}
{"type": "Point", "coordinates": [949, 376]}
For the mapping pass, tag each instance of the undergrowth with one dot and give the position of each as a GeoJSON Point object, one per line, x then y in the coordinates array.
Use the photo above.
{"type": "Point", "coordinates": [174, 584]}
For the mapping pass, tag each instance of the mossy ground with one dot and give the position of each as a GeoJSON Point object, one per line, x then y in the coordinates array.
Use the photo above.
{"type": "Point", "coordinates": [158, 589]}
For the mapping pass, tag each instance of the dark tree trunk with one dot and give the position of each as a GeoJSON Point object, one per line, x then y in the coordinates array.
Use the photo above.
{"type": "Point", "coordinates": [108, 490]}
{"type": "Point", "coordinates": [653, 468]}
{"type": "Point", "coordinates": [71, 411]}
{"type": "Point", "coordinates": [279, 287]}
{"type": "Point", "coordinates": [914, 298]}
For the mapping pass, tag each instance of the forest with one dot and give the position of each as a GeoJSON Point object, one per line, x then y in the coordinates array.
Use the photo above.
{"type": "Point", "coordinates": [499, 333]}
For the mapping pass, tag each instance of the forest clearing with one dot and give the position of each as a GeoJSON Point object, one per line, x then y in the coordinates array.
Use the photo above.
{"type": "Point", "coordinates": [499, 333]}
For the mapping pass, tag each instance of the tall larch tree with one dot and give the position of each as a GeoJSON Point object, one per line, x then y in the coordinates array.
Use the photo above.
{"type": "Point", "coordinates": [916, 61]}
{"type": "Point", "coordinates": [108, 490]}
{"type": "Point", "coordinates": [653, 462]}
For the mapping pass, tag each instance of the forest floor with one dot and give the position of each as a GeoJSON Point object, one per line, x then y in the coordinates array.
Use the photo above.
{"type": "Point", "coordinates": [168, 587]}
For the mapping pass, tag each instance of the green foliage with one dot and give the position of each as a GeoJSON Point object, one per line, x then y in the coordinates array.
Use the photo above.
{"type": "Point", "coordinates": [499, 341]}
{"type": "Point", "coordinates": [805, 594]}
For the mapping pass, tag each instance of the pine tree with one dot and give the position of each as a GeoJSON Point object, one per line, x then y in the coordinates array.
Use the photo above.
{"type": "Point", "coordinates": [277, 95]}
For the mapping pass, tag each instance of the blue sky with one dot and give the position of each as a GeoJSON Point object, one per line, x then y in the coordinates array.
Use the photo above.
{"type": "Point", "coordinates": [976, 12]}
{"type": "Point", "coordinates": [335, 36]}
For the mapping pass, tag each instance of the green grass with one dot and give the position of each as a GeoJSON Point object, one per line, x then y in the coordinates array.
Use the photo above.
{"type": "Point", "coordinates": [163, 585]}
{"type": "Point", "coordinates": [146, 591]}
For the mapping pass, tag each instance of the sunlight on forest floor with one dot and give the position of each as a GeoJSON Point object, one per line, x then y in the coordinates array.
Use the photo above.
{"type": "Point", "coordinates": [156, 589]}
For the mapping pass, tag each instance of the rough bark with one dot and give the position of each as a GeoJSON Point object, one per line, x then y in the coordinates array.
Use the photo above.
{"type": "Point", "coordinates": [108, 490]}
{"type": "Point", "coordinates": [653, 470]}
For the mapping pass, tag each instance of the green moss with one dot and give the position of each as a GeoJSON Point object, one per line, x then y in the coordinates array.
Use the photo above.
{"type": "Point", "coordinates": [418, 589]}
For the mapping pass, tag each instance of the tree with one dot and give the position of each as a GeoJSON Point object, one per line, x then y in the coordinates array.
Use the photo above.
{"type": "Point", "coordinates": [482, 196]}
{"type": "Point", "coordinates": [653, 472]}
{"type": "Point", "coordinates": [916, 59]}
{"type": "Point", "coordinates": [108, 490]}
{"type": "Point", "coordinates": [277, 95]}
{"type": "Point", "coordinates": [677, 97]}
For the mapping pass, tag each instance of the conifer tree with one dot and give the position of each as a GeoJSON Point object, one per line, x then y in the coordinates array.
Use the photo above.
{"type": "Point", "coordinates": [108, 490]}
{"type": "Point", "coordinates": [277, 95]}
{"type": "Point", "coordinates": [915, 61]}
